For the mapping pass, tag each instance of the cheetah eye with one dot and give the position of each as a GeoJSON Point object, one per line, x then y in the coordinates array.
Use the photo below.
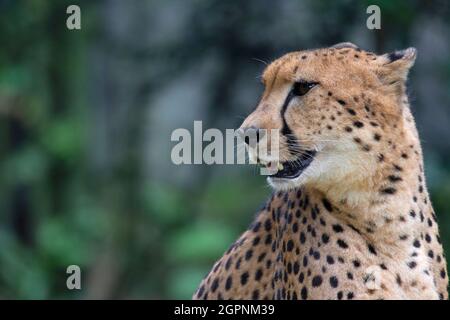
{"type": "Point", "coordinates": [301, 88]}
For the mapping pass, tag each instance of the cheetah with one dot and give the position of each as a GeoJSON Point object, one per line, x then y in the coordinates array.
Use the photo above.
{"type": "Point", "coordinates": [350, 216]}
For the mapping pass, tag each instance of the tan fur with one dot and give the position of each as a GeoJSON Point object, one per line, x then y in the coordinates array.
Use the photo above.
{"type": "Point", "coordinates": [358, 222]}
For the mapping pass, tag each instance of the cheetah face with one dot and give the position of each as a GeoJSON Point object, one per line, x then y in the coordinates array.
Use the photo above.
{"type": "Point", "coordinates": [331, 108]}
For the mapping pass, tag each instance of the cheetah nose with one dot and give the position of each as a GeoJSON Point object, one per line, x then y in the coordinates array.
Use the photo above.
{"type": "Point", "coordinates": [251, 135]}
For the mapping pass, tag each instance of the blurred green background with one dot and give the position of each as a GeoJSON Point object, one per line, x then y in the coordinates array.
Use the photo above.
{"type": "Point", "coordinates": [86, 117]}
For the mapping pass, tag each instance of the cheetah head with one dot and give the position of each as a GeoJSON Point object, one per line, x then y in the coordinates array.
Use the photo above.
{"type": "Point", "coordinates": [332, 108]}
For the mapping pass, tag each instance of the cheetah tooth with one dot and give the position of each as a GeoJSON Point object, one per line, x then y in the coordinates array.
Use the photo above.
{"type": "Point", "coordinates": [280, 166]}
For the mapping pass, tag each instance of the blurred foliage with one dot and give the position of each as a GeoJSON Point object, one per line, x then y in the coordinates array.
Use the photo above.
{"type": "Point", "coordinates": [77, 182]}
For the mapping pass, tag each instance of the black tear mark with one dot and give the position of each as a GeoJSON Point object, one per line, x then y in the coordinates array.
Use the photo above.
{"type": "Point", "coordinates": [286, 131]}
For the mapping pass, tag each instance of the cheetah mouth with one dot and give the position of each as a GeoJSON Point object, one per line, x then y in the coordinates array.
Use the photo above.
{"type": "Point", "coordinates": [293, 169]}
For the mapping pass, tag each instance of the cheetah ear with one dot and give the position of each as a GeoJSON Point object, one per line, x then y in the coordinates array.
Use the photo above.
{"type": "Point", "coordinates": [345, 45]}
{"type": "Point", "coordinates": [394, 66]}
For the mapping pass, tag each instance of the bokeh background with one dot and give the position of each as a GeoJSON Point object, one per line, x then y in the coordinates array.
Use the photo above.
{"type": "Point", "coordinates": [86, 118]}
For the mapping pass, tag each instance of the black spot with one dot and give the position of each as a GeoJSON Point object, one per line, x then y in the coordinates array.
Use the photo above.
{"type": "Point", "coordinates": [255, 294]}
{"type": "Point", "coordinates": [262, 256]}
{"type": "Point", "coordinates": [334, 282]}
{"type": "Point", "coordinates": [313, 213]}
{"type": "Point", "coordinates": [341, 243]}
{"type": "Point", "coordinates": [228, 263]}
{"type": "Point", "coordinates": [393, 178]}
{"type": "Point", "coordinates": [302, 237]}
{"type": "Point", "coordinates": [305, 261]}
{"type": "Point", "coordinates": [443, 273]}
{"type": "Point", "coordinates": [301, 277]}
{"type": "Point", "coordinates": [316, 281]}
{"type": "Point", "coordinates": [268, 239]}
{"type": "Point", "coordinates": [427, 238]}
{"type": "Point", "coordinates": [256, 227]}
{"type": "Point", "coordinates": [398, 279]}
{"type": "Point", "coordinates": [201, 290]}
{"type": "Point", "coordinates": [248, 254]}
{"type": "Point", "coordinates": [388, 190]}
{"type": "Point", "coordinates": [412, 213]}
{"type": "Point", "coordinates": [350, 295]}
{"type": "Point", "coordinates": [258, 274]}
{"type": "Point", "coordinates": [228, 283]}
{"type": "Point", "coordinates": [238, 263]}
{"type": "Point", "coordinates": [434, 216]}
{"type": "Point", "coordinates": [341, 102]}
{"type": "Point", "coordinates": [296, 267]}
{"type": "Point", "coordinates": [350, 275]}
{"type": "Point", "coordinates": [371, 249]}
{"type": "Point", "coordinates": [330, 260]}
{"type": "Point", "coordinates": [215, 285]}
{"type": "Point", "coordinates": [412, 264]}
{"type": "Point", "coordinates": [327, 205]}
{"type": "Point", "coordinates": [339, 295]}
{"type": "Point", "coordinates": [356, 263]}
{"type": "Point", "coordinates": [358, 124]}
{"type": "Point", "coordinates": [416, 243]}
{"type": "Point", "coordinates": [338, 228]}
{"type": "Point", "coordinates": [290, 245]}
{"type": "Point", "coordinates": [325, 238]}
{"type": "Point", "coordinates": [267, 225]}
{"type": "Point", "coordinates": [256, 241]}
{"type": "Point", "coordinates": [316, 255]}
{"type": "Point", "coordinates": [383, 266]}
{"type": "Point", "coordinates": [244, 278]}
{"type": "Point", "coordinates": [304, 293]}
{"type": "Point", "coordinates": [351, 111]}
{"type": "Point", "coordinates": [376, 137]}
{"type": "Point", "coordinates": [348, 129]}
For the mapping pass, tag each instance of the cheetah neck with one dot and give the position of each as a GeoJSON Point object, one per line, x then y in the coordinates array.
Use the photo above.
{"type": "Point", "coordinates": [389, 203]}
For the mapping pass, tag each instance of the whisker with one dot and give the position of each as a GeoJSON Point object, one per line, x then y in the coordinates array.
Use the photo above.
{"type": "Point", "coordinates": [260, 60]}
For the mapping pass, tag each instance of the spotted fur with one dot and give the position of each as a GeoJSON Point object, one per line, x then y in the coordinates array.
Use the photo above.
{"type": "Point", "coordinates": [358, 222]}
